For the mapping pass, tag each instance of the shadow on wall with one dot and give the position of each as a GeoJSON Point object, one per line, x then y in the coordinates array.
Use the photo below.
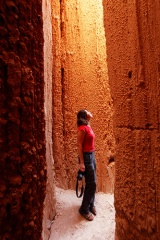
{"type": "Point", "coordinates": [111, 173]}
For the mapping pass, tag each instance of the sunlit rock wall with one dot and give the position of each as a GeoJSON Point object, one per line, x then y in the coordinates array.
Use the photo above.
{"type": "Point", "coordinates": [49, 204]}
{"type": "Point", "coordinates": [132, 35]}
{"type": "Point", "coordinates": [22, 124]}
{"type": "Point", "coordinates": [81, 82]}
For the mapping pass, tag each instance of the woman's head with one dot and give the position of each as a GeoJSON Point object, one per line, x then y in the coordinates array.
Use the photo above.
{"type": "Point", "coordinates": [83, 117]}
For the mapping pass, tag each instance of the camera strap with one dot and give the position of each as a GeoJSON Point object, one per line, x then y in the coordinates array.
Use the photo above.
{"type": "Point", "coordinates": [82, 189]}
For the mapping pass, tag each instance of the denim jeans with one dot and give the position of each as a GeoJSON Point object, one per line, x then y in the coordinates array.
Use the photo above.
{"type": "Point", "coordinates": [90, 182]}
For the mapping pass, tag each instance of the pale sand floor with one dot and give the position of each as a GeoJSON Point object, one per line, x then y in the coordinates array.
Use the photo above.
{"type": "Point", "coordinates": [70, 225]}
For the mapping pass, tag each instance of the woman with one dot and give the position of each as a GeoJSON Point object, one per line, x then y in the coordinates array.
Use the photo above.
{"type": "Point", "coordinates": [87, 164]}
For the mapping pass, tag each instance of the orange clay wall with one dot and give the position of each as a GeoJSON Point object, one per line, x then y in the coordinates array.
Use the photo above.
{"type": "Point", "coordinates": [22, 122]}
{"type": "Point", "coordinates": [80, 81]}
{"type": "Point", "coordinates": [133, 49]}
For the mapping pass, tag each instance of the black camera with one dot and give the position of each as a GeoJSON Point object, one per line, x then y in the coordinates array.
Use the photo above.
{"type": "Point", "coordinates": [80, 175]}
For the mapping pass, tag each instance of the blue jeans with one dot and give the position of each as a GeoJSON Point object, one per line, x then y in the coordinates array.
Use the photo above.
{"type": "Point", "coordinates": [90, 180]}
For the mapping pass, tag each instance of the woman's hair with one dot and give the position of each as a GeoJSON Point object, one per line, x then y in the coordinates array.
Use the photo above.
{"type": "Point", "coordinates": [82, 118]}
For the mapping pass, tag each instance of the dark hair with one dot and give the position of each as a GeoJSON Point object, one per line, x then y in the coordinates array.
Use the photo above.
{"type": "Point", "coordinates": [82, 118]}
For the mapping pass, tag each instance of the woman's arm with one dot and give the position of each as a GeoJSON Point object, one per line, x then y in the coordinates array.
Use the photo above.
{"type": "Point", "coordinates": [80, 139]}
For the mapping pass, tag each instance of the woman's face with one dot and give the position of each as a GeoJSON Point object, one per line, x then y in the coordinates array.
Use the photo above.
{"type": "Point", "coordinates": [89, 115]}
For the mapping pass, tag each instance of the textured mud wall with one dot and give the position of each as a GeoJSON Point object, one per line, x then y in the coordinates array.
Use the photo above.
{"type": "Point", "coordinates": [49, 204]}
{"type": "Point", "coordinates": [132, 35]}
{"type": "Point", "coordinates": [58, 121]}
{"type": "Point", "coordinates": [22, 125]}
{"type": "Point", "coordinates": [81, 82]}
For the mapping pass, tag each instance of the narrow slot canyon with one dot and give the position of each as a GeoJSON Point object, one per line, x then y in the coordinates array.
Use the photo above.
{"type": "Point", "coordinates": [80, 82]}
{"type": "Point", "coordinates": [56, 58]}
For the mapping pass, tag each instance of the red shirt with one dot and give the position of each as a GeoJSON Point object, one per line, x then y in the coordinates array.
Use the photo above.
{"type": "Point", "coordinates": [88, 144]}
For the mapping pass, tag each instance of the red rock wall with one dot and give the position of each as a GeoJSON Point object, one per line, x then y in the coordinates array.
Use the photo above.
{"type": "Point", "coordinates": [80, 82]}
{"type": "Point", "coordinates": [58, 121]}
{"type": "Point", "coordinates": [132, 34]}
{"type": "Point", "coordinates": [22, 124]}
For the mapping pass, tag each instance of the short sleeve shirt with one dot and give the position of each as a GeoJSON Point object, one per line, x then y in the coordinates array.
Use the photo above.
{"type": "Point", "coordinates": [88, 144]}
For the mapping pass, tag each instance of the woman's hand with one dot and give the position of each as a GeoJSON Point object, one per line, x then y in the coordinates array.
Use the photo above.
{"type": "Point", "coordinates": [82, 167]}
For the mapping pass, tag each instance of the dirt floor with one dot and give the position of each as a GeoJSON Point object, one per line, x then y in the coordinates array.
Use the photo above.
{"type": "Point", "coordinates": [70, 225]}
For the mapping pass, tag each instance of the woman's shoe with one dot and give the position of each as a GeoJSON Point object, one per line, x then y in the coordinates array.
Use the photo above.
{"type": "Point", "coordinates": [89, 216]}
{"type": "Point", "coordinates": [93, 210]}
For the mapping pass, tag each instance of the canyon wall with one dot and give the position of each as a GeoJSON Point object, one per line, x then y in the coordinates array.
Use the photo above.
{"type": "Point", "coordinates": [49, 203]}
{"type": "Point", "coordinates": [132, 36]}
{"type": "Point", "coordinates": [80, 82]}
{"type": "Point", "coordinates": [22, 121]}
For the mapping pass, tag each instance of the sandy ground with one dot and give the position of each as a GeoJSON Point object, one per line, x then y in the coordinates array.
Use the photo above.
{"type": "Point", "coordinates": [70, 225]}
